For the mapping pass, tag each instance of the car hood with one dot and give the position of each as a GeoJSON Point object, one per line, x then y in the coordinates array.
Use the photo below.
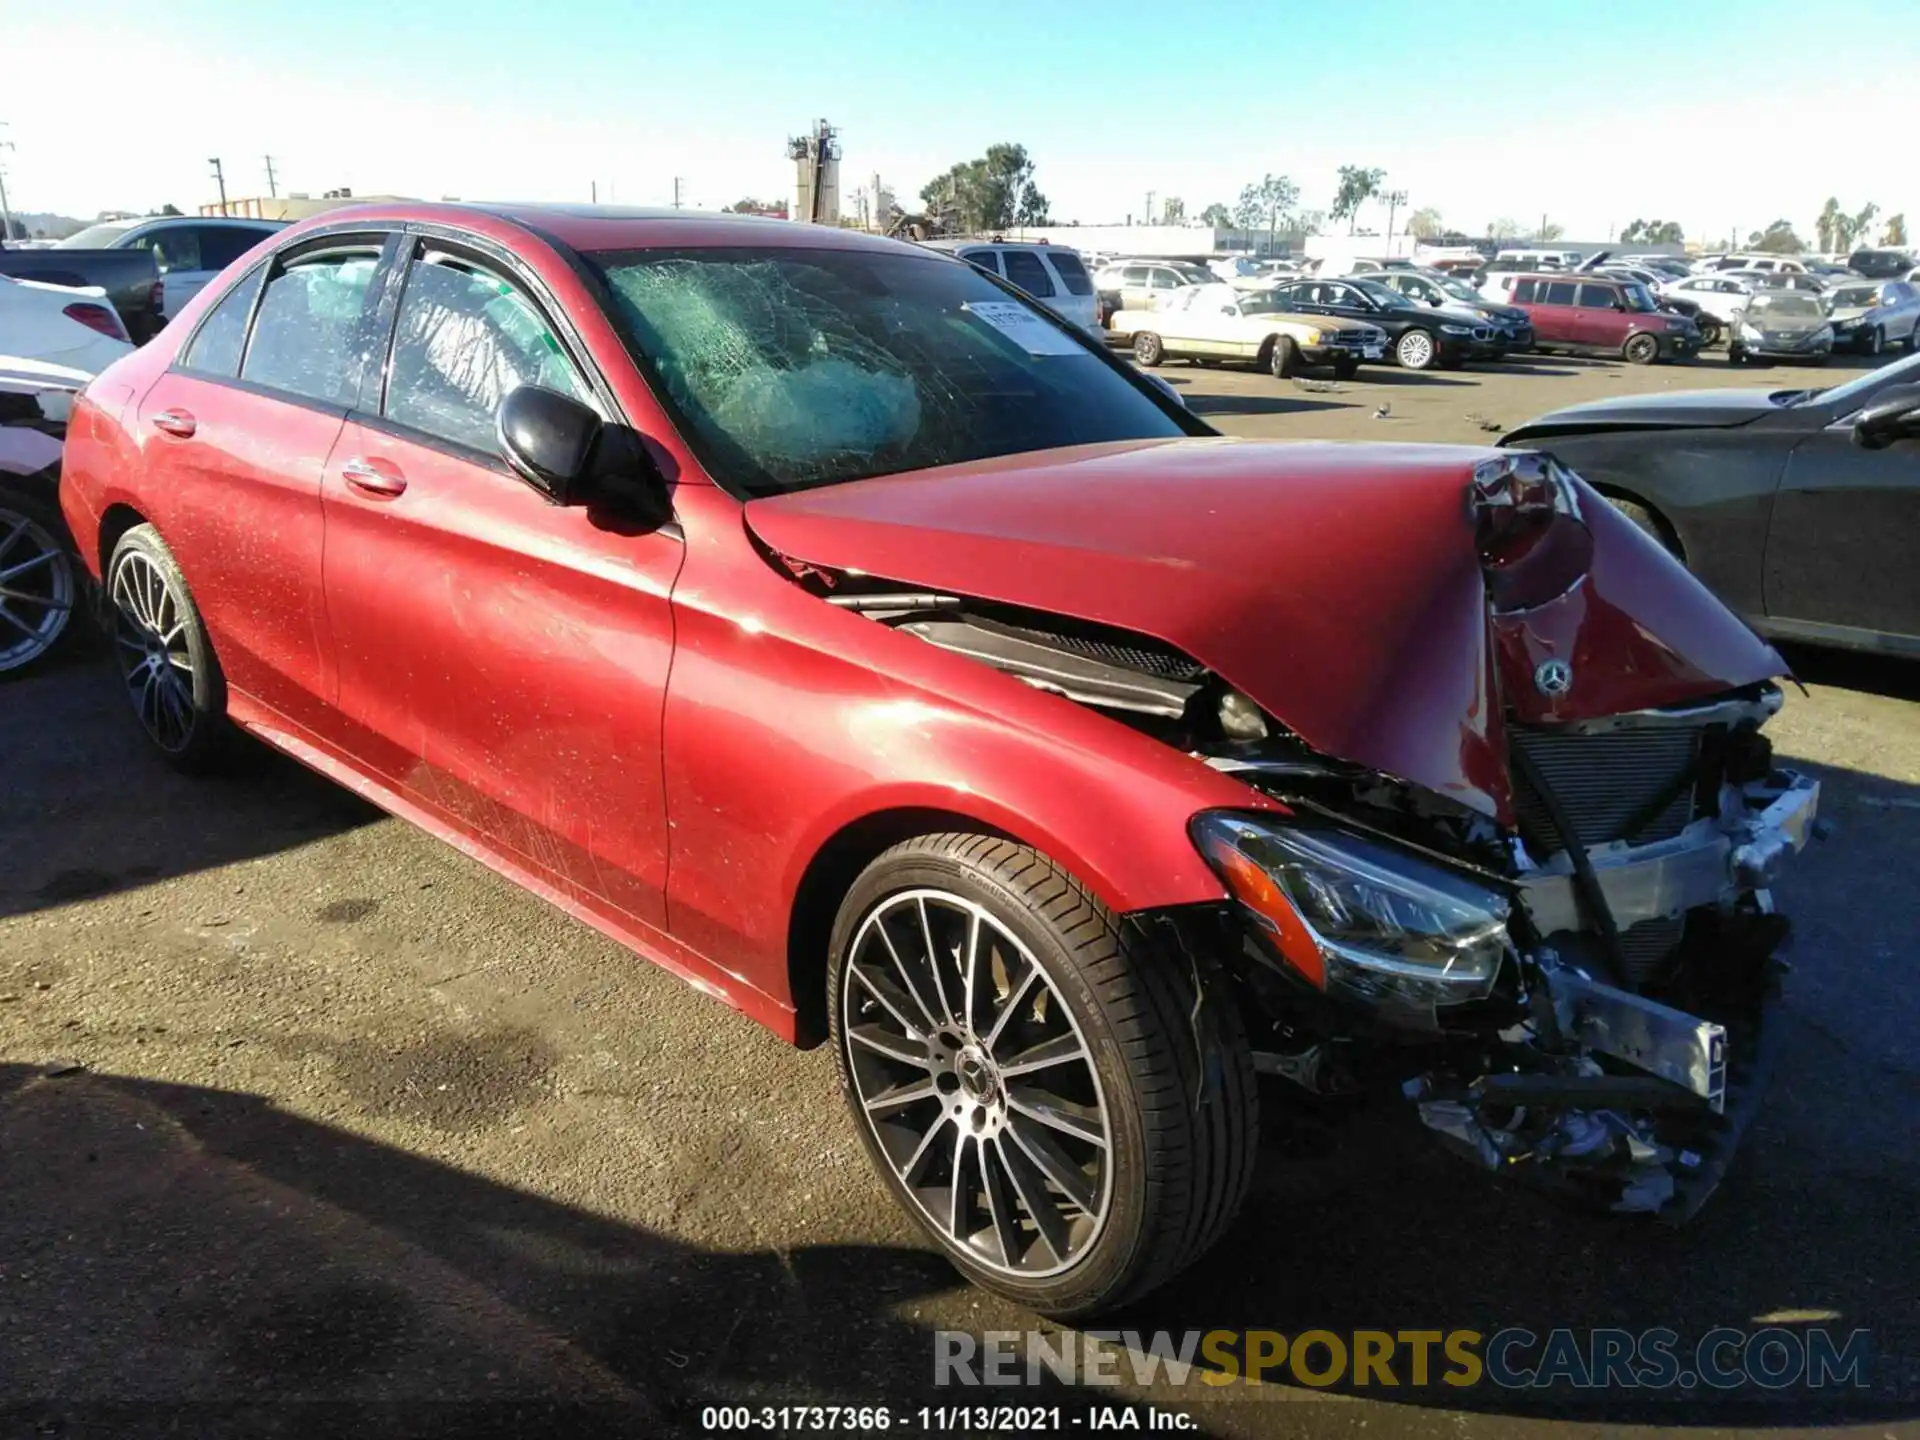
{"type": "Point", "coordinates": [1849, 312]}
{"type": "Point", "coordinates": [1341, 587]}
{"type": "Point", "coordinates": [1686, 408]}
{"type": "Point", "coordinates": [1785, 324]}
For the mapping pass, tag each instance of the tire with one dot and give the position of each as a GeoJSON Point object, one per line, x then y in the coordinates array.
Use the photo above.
{"type": "Point", "coordinates": [1416, 350]}
{"type": "Point", "coordinates": [1710, 333]}
{"type": "Point", "coordinates": [40, 589]}
{"type": "Point", "coordinates": [1345, 369]}
{"type": "Point", "coordinates": [1913, 338]}
{"type": "Point", "coordinates": [1876, 342]}
{"type": "Point", "coordinates": [161, 646]}
{"type": "Point", "coordinates": [1648, 522]}
{"type": "Point", "coordinates": [1147, 349]}
{"type": "Point", "coordinates": [1641, 350]}
{"type": "Point", "coordinates": [1735, 355]}
{"type": "Point", "coordinates": [1115, 1017]}
{"type": "Point", "coordinates": [1283, 358]}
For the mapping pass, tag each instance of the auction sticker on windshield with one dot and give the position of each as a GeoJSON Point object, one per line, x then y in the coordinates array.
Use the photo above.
{"type": "Point", "coordinates": [1023, 327]}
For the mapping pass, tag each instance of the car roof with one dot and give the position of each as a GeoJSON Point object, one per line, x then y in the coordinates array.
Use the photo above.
{"type": "Point", "coordinates": [252, 222]}
{"type": "Point", "coordinates": [611, 227]}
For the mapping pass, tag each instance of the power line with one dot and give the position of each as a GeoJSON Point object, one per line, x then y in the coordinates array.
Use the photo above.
{"type": "Point", "coordinates": [272, 180]}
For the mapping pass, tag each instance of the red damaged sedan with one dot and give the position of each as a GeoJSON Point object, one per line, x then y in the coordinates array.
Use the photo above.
{"type": "Point", "coordinates": [829, 624]}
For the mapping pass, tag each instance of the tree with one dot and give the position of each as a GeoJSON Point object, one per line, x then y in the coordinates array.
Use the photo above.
{"type": "Point", "coordinates": [1173, 211]}
{"type": "Point", "coordinates": [1424, 223]}
{"type": "Point", "coordinates": [991, 193]}
{"type": "Point", "coordinates": [17, 230]}
{"type": "Point", "coordinates": [1310, 222]}
{"type": "Point", "coordinates": [777, 209]}
{"type": "Point", "coordinates": [1262, 204]}
{"type": "Point", "coordinates": [168, 210]}
{"type": "Point", "coordinates": [1826, 228]}
{"type": "Point", "coordinates": [1502, 229]}
{"type": "Point", "coordinates": [1777, 239]}
{"type": "Point", "coordinates": [1358, 184]}
{"type": "Point", "coordinates": [1896, 230]}
{"type": "Point", "coordinates": [1216, 215]}
{"type": "Point", "coordinates": [1653, 232]}
{"type": "Point", "coordinates": [1862, 221]}
{"type": "Point", "coordinates": [1550, 231]}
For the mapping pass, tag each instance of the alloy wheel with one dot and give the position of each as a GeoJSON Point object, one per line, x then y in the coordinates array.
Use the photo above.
{"type": "Point", "coordinates": [977, 1084]}
{"type": "Point", "coordinates": [150, 639]}
{"type": "Point", "coordinates": [36, 590]}
{"type": "Point", "coordinates": [1416, 350]}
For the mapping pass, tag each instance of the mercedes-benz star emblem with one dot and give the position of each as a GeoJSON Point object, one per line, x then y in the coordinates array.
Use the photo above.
{"type": "Point", "coordinates": [1553, 677]}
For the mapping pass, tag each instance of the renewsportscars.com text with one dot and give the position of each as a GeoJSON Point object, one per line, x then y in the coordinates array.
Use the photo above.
{"type": "Point", "coordinates": [1771, 1358]}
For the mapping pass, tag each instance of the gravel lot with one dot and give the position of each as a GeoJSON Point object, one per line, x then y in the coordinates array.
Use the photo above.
{"type": "Point", "coordinates": [358, 1122]}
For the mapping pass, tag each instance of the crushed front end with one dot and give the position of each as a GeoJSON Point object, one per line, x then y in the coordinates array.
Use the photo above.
{"type": "Point", "coordinates": [1573, 989]}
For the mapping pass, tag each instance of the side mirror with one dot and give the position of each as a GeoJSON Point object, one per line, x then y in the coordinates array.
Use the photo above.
{"type": "Point", "coordinates": [1893, 416]}
{"type": "Point", "coordinates": [548, 439]}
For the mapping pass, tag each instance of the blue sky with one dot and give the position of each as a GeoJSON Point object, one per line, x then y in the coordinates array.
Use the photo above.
{"type": "Point", "coordinates": [1719, 115]}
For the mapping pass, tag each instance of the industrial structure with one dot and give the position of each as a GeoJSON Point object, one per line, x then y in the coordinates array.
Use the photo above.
{"type": "Point", "coordinates": [816, 178]}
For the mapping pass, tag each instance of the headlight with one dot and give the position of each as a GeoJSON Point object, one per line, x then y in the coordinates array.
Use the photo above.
{"type": "Point", "coordinates": [1360, 918]}
{"type": "Point", "coordinates": [1312, 338]}
{"type": "Point", "coordinates": [1825, 332]}
{"type": "Point", "coordinates": [1456, 329]}
{"type": "Point", "coordinates": [1749, 332]}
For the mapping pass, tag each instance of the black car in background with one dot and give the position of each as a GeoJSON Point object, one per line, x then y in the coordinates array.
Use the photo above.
{"type": "Point", "coordinates": [1419, 336]}
{"type": "Point", "coordinates": [1881, 264]}
{"type": "Point", "coordinates": [1439, 291]}
{"type": "Point", "coordinates": [1799, 508]}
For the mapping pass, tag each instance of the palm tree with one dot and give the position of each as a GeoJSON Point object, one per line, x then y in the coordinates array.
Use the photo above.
{"type": "Point", "coordinates": [1827, 228]}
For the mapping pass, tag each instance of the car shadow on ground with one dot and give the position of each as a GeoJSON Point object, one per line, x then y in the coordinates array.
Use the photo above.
{"type": "Point", "coordinates": [70, 747]}
{"type": "Point", "coordinates": [1388, 375]}
{"type": "Point", "coordinates": [1281, 404]}
{"type": "Point", "coordinates": [1892, 676]}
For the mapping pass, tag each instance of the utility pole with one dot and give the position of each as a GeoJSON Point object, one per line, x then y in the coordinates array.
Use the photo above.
{"type": "Point", "coordinates": [273, 181]}
{"type": "Point", "coordinates": [595, 190]}
{"type": "Point", "coordinates": [221, 180]}
{"type": "Point", "coordinates": [6, 212]}
{"type": "Point", "coordinates": [1395, 199]}
{"type": "Point", "coordinates": [1149, 211]}
{"type": "Point", "coordinates": [676, 192]}
{"type": "Point", "coordinates": [1543, 227]}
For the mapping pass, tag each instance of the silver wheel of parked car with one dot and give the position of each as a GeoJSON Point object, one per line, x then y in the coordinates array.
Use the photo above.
{"type": "Point", "coordinates": [977, 1083]}
{"type": "Point", "coordinates": [1026, 1072]}
{"type": "Point", "coordinates": [173, 681]}
{"type": "Point", "coordinates": [1415, 350]}
{"type": "Point", "coordinates": [1876, 341]}
{"type": "Point", "coordinates": [1147, 348]}
{"type": "Point", "coordinates": [37, 584]}
{"type": "Point", "coordinates": [1283, 358]}
{"type": "Point", "coordinates": [1641, 349]}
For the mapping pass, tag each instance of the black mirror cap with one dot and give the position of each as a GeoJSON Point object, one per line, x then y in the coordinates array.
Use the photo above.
{"type": "Point", "coordinates": [1894, 415]}
{"type": "Point", "coordinates": [548, 438]}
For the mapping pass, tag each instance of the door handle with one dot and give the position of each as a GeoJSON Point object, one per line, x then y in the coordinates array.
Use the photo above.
{"type": "Point", "coordinates": [175, 422]}
{"type": "Point", "coordinates": [373, 477]}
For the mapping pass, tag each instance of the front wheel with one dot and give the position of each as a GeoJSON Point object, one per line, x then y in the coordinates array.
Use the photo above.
{"type": "Point", "coordinates": [1641, 350]}
{"type": "Point", "coordinates": [173, 680]}
{"type": "Point", "coordinates": [1064, 1109]}
{"type": "Point", "coordinates": [1415, 350]}
{"type": "Point", "coordinates": [1283, 358]}
{"type": "Point", "coordinates": [1710, 333]}
{"type": "Point", "coordinates": [1876, 342]}
{"type": "Point", "coordinates": [1147, 348]}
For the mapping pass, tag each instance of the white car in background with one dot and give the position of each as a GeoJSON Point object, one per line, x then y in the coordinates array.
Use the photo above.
{"type": "Point", "coordinates": [1872, 315]}
{"type": "Point", "coordinates": [68, 326]}
{"type": "Point", "coordinates": [1219, 322]}
{"type": "Point", "coordinates": [1054, 275]}
{"type": "Point", "coordinates": [1720, 296]}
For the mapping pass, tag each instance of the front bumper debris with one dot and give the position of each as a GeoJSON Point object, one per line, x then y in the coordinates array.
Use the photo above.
{"type": "Point", "coordinates": [1708, 863]}
{"type": "Point", "coordinates": [1668, 1044]}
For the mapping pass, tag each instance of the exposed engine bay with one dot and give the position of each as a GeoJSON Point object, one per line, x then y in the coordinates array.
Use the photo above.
{"type": "Point", "coordinates": [1575, 992]}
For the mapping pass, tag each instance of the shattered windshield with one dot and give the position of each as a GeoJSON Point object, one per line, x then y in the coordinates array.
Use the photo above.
{"type": "Point", "coordinates": [788, 368]}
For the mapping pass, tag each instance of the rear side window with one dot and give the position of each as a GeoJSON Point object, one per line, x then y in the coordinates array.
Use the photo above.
{"type": "Point", "coordinates": [984, 259]}
{"type": "Point", "coordinates": [176, 247]}
{"type": "Point", "coordinates": [215, 348]}
{"type": "Point", "coordinates": [1523, 292]}
{"type": "Point", "coordinates": [1557, 292]}
{"type": "Point", "coordinates": [1025, 270]}
{"type": "Point", "coordinates": [1134, 275]}
{"type": "Point", "coordinates": [1598, 297]}
{"type": "Point", "coordinates": [465, 339]}
{"type": "Point", "coordinates": [1072, 273]}
{"type": "Point", "coordinates": [221, 245]}
{"type": "Point", "coordinates": [310, 337]}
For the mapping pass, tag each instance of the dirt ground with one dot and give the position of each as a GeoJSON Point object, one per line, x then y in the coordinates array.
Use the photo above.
{"type": "Point", "coordinates": [310, 1125]}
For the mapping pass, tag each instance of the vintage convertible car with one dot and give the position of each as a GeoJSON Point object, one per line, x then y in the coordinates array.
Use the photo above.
{"type": "Point", "coordinates": [1217, 323]}
{"type": "Point", "coordinates": [833, 626]}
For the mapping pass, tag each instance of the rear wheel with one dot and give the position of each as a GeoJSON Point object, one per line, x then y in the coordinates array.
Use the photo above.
{"type": "Point", "coordinates": [1647, 521]}
{"type": "Point", "coordinates": [1057, 1103]}
{"type": "Point", "coordinates": [1283, 357]}
{"type": "Point", "coordinates": [39, 583]}
{"type": "Point", "coordinates": [1641, 349]}
{"type": "Point", "coordinates": [1913, 336]}
{"type": "Point", "coordinates": [1147, 349]}
{"type": "Point", "coordinates": [166, 658]}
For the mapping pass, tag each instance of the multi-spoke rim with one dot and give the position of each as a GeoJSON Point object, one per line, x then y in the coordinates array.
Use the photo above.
{"type": "Point", "coordinates": [1415, 350]}
{"type": "Point", "coordinates": [976, 1081]}
{"type": "Point", "coordinates": [36, 590]}
{"type": "Point", "coordinates": [150, 638]}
